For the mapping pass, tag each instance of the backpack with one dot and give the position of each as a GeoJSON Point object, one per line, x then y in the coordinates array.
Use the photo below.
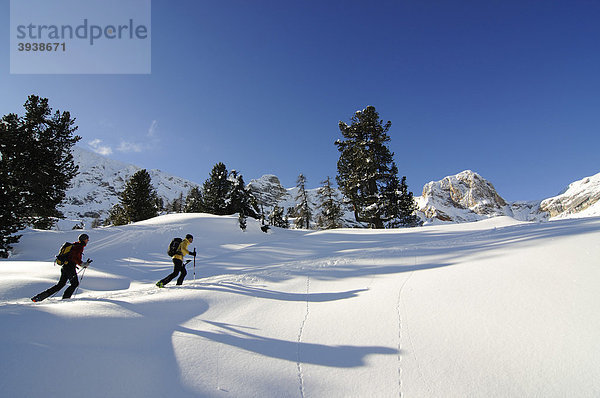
{"type": "Point", "coordinates": [174, 247]}
{"type": "Point", "coordinates": [63, 254]}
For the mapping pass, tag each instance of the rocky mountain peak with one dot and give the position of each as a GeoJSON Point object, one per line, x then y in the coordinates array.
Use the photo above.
{"type": "Point", "coordinates": [465, 196]}
{"type": "Point", "coordinates": [581, 197]}
{"type": "Point", "coordinates": [268, 190]}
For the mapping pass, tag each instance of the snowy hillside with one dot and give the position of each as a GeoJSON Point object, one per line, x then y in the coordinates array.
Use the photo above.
{"type": "Point", "coordinates": [100, 180]}
{"type": "Point", "coordinates": [580, 199]}
{"type": "Point", "coordinates": [496, 308]}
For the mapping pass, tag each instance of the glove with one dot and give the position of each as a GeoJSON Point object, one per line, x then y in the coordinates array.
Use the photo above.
{"type": "Point", "coordinates": [193, 253]}
{"type": "Point", "coordinates": [86, 263]}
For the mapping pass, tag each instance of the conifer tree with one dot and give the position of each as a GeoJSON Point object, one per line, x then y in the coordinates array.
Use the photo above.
{"type": "Point", "coordinates": [277, 219]}
{"type": "Point", "coordinates": [137, 202]}
{"type": "Point", "coordinates": [12, 217]}
{"type": "Point", "coordinates": [36, 167]}
{"type": "Point", "coordinates": [177, 205]}
{"type": "Point", "coordinates": [194, 202]}
{"type": "Point", "coordinates": [216, 190]}
{"type": "Point", "coordinates": [49, 139]}
{"type": "Point", "coordinates": [367, 173]}
{"type": "Point", "coordinates": [240, 198]}
{"type": "Point", "coordinates": [330, 208]}
{"type": "Point", "coordinates": [117, 216]}
{"type": "Point", "coordinates": [303, 210]}
{"type": "Point", "coordinates": [242, 221]}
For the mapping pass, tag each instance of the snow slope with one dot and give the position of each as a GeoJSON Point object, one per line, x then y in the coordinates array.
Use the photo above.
{"type": "Point", "coordinates": [496, 308]}
{"type": "Point", "coordinates": [580, 199]}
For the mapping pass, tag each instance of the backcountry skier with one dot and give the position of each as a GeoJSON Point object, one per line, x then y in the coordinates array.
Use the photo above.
{"type": "Point", "coordinates": [178, 265]}
{"type": "Point", "coordinates": [68, 272]}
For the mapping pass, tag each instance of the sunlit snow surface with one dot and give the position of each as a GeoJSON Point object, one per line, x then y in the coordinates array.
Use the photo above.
{"type": "Point", "coordinates": [496, 308]}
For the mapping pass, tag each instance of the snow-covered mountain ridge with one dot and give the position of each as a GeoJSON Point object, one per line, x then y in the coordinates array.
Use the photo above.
{"type": "Point", "coordinates": [462, 197]}
{"type": "Point", "coordinates": [581, 198]}
{"type": "Point", "coordinates": [467, 196]}
{"type": "Point", "coordinates": [100, 180]}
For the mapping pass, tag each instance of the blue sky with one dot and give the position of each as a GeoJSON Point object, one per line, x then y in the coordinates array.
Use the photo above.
{"type": "Point", "coordinates": [509, 89]}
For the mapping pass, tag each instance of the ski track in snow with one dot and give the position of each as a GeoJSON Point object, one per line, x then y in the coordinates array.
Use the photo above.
{"type": "Point", "coordinates": [407, 336]}
{"type": "Point", "coordinates": [300, 333]}
{"type": "Point", "coordinates": [400, 337]}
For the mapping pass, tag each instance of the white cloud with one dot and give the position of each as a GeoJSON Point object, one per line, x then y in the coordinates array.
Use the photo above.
{"type": "Point", "coordinates": [96, 145]}
{"type": "Point", "coordinates": [153, 130]}
{"type": "Point", "coordinates": [149, 142]}
{"type": "Point", "coordinates": [128, 147]}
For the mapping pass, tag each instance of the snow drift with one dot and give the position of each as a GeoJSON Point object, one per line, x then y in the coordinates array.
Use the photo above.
{"type": "Point", "coordinates": [496, 308]}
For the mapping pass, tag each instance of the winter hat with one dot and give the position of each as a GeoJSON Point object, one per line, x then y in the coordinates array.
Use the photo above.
{"type": "Point", "coordinates": [83, 237]}
{"type": "Point", "coordinates": [188, 236]}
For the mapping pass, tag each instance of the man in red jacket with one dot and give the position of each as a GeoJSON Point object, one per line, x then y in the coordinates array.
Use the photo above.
{"type": "Point", "coordinates": [68, 271]}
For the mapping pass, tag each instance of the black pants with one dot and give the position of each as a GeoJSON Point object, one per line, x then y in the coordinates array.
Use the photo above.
{"type": "Point", "coordinates": [68, 272]}
{"type": "Point", "coordinates": [177, 268]}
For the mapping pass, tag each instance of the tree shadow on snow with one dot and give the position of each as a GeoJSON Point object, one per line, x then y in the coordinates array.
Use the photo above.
{"type": "Point", "coordinates": [260, 292]}
{"type": "Point", "coordinates": [339, 356]}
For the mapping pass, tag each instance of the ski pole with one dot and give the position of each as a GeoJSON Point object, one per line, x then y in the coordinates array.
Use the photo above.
{"type": "Point", "coordinates": [82, 275]}
{"type": "Point", "coordinates": [81, 280]}
{"type": "Point", "coordinates": [194, 265]}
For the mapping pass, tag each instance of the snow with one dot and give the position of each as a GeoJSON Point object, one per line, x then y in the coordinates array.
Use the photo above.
{"type": "Point", "coordinates": [100, 180]}
{"type": "Point", "coordinates": [495, 308]}
{"type": "Point", "coordinates": [580, 199]}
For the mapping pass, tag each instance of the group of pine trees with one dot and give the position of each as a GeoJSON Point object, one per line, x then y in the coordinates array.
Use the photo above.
{"type": "Point", "coordinates": [223, 193]}
{"type": "Point", "coordinates": [36, 167]}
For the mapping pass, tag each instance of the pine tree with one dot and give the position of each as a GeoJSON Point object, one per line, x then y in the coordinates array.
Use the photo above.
{"type": "Point", "coordinates": [117, 216]}
{"type": "Point", "coordinates": [303, 210]}
{"type": "Point", "coordinates": [48, 138]}
{"type": "Point", "coordinates": [194, 203]}
{"type": "Point", "coordinates": [367, 173]}
{"type": "Point", "coordinates": [177, 205]}
{"type": "Point", "coordinates": [277, 219]}
{"type": "Point", "coordinates": [36, 168]}
{"type": "Point", "coordinates": [240, 198]}
{"type": "Point", "coordinates": [11, 201]}
{"type": "Point", "coordinates": [137, 202]}
{"type": "Point", "coordinates": [330, 215]}
{"type": "Point", "coordinates": [96, 222]}
{"type": "Point", "coordinates": [242, 221]}
{"type": "Point", "coordinates": [216, 190]}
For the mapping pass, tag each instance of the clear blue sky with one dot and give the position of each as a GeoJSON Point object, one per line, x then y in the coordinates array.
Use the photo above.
{"type": "Point", "coordinates": [509, 89]}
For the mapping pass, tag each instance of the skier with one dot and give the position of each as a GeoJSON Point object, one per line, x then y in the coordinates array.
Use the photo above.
{"type": "Point", "coordinates": [68, 272]}
{"type": "Point", "coordinates": [178, 265]}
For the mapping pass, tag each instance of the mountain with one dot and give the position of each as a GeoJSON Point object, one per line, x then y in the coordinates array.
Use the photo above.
{"type": "Point", "coordinates": [100, 181]}
{"type": "Point", "coordinates": [269, 192]}
{"type": "Point", "coordinates": [580, 199]}
{"type": "Point", "coordinates": [467, 196]}
{"type": "Point", "coordinates": [463, 197]}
